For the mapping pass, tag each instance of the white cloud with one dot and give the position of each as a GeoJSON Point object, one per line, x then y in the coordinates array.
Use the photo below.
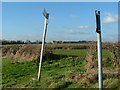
{"type": "Point", "coordinates": [74, 16]}
{"type": "Point", "coordinates": [84, 27]}
{"type": "Point", "coordinates": [52, 18]}
{"type": "Point", "coordinates": [110, 37]}
{"type": "Point", "coordinates": [74, 32]}
{"type": "Point", "coordinates": [24, 37]}
{"type": "Point", "coordinates": [110, 18]}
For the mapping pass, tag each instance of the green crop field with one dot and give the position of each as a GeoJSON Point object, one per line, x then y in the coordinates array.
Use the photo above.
{"type": "Point", "coordinates": [79, 52]}
{"type": "Point", "coordinates": [65, 72]}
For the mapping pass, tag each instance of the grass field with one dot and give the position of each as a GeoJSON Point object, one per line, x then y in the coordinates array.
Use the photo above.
{"type": "Point", "coordinates": [66, 72]}
{"type": "Point", "coordinates": [81, 53]}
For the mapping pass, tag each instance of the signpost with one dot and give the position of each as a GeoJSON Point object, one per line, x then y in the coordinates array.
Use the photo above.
{"type": "Point", "coordinates": [43, 41]}
{"type": "Point", "coordinates": [99, 45]}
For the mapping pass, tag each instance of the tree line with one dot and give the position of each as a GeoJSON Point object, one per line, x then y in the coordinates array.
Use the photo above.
{"type": "Point", "coordinates": [5, 42]}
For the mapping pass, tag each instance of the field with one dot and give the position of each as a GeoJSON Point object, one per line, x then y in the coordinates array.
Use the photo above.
{"type": "Point", "coordinates": [67, 68]}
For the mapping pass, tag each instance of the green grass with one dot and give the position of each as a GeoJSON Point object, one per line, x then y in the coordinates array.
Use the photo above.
{"type": "Point", "coordinates": [17, 72]}
{"type": "Point", "coordinates": [59, 73]}
{"type": "Point", "coordinates": [24, 74]}
{"type": "Point", "coordinates": [106, 53]}
{"type": "Point", "coordinates": [81, 52]}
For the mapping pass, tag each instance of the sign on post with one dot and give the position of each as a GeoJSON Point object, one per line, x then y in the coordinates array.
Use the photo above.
{"type": "Point", "coordinates": [43, 41]}
{"type": "Point", "coordinates": [99, 45]}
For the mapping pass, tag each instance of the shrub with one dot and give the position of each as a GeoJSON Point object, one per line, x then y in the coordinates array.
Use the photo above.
{"type": "Point", "coordinates": [91, 57]}
{"type": "Point", "coordinates": [115, 52]}
{"type": "Point", "coordinates": [47, 55]}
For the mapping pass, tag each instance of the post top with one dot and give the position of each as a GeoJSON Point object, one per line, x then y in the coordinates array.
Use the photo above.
{"type": "Point", "coordinates": [45, 14]}
{"type": "Point", "coordinates": [97, 12]}
{"type": "Point", "coordinates": [98, 27]}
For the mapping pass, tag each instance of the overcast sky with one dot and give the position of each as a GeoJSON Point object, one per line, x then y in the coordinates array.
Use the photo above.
{"type": "Point", "coordinates": [68, 21]}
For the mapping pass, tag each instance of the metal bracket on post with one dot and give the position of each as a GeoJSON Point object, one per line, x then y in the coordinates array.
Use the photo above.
{"type": "Point", "coordinates": [43, 41]}
{"type": "Point", "coordinates": [99, 45]}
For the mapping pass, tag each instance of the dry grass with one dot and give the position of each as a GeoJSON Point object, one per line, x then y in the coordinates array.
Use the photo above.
{"type": "Point", "coordinates": [91, 57]}
{"type": "Point", "coordinates": [23, 52]}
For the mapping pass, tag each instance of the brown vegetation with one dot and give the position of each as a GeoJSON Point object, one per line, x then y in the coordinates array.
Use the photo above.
{"type": "Point", "coordinates": [91, 57]}
{"type": "Point", "coordinates": [24, 52]}
{"type": "Point", "coordinates": [32, 51]}
{"type": "Point", "coordinates": [115, 53]}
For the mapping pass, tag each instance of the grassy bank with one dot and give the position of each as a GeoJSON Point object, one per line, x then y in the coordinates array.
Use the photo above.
{"type": "Point", "coordinates": [64, 66]}
{"type": "Point", "coordinates": [66, 72]}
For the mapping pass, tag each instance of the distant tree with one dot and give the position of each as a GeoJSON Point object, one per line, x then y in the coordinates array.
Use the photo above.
{"type": "Point", "coordinates": [4, 42]}
{"type": "Point", "coordinates": [20, 42]}
{"type": "Point", "coordinates": [13, 42]}
{"type": "Point", "coordinates": [28, 42]}
{"type": "Point", "coordinates": [37, 42]}
{"type": "Point", "coordinates": [0, 42]}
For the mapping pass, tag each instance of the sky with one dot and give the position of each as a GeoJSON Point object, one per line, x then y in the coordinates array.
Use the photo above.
{"type": "Point", "coordinates": [60, 0]}
{"type": "Point", "coordinates": [68, 21]}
